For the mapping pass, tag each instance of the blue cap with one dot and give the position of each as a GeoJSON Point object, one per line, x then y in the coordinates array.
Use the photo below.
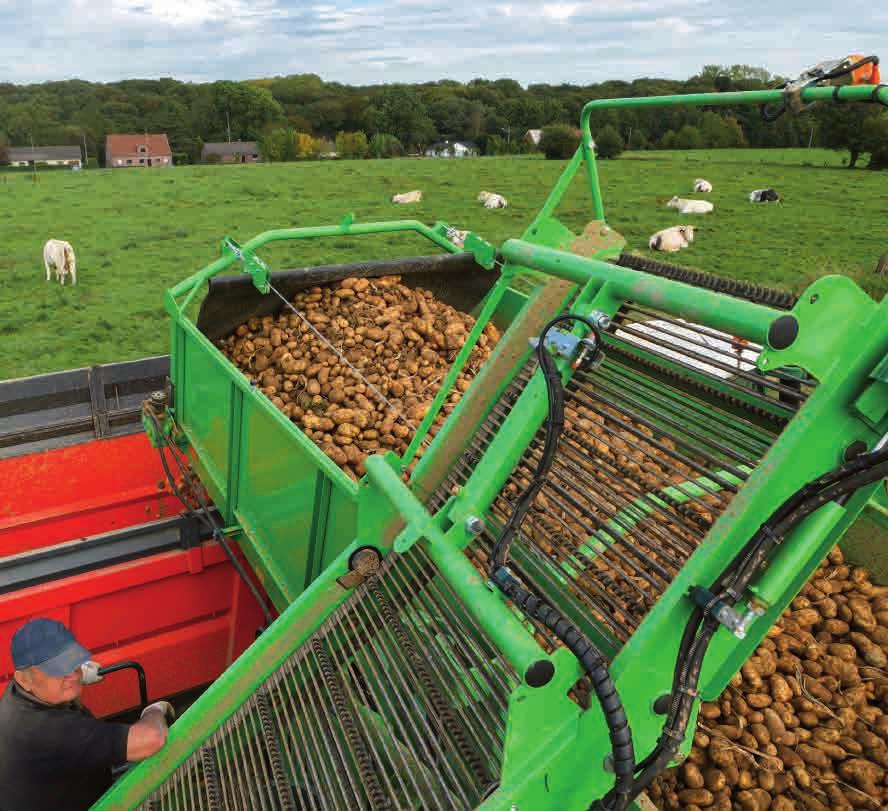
{"type": "Point", "coordinates": [48, 645]}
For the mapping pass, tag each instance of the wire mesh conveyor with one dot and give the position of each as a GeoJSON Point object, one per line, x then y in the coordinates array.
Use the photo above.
{"type": "Point", "coordinates": [397, 701]}
{"type": "Point", "coordinates": [658, 440]}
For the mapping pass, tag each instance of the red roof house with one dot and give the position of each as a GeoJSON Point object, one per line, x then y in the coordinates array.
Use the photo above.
{"type": "Point", "coordinates": [122, 151]}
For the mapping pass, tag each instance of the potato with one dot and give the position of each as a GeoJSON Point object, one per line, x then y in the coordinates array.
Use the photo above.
{"type": "Point", "coordinates": [692, 776]}
{"type": "Point", "coordinates": [696, 796]}
{"type": "Point", "coordinates": [384, 329]}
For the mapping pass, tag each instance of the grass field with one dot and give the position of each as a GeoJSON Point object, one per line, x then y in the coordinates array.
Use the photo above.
{"type": "Point", "coordinates": [136, 233]}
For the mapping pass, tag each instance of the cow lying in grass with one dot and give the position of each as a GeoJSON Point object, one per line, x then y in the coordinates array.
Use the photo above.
{"type": "Point", "coordinates": [58, 256]}
{"type": "Point", "coordinates": [690, 206]}
{"type": "Point", "coordinates": [670, 240]}
{"type": "Point", "coordinates": [408, 197]}
{"type": "Point", "coordinates": [492, 200]}
{"type": "Point", "coordinates": [764, 196]}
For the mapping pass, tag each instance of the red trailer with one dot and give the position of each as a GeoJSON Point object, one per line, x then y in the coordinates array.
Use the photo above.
{"type": "Point", "coordinates": [91, 534]}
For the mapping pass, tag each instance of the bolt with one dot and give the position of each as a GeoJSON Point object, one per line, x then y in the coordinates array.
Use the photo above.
{"type": "Point", "coordinates": [475, 525]}
{"type": "Point", "coordinates": [600, 319]}
{"type": "Point", "coordinates": [604, 231]}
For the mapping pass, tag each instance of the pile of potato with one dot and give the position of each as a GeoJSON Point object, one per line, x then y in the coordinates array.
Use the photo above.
{"type": "Point", "coordinates": [402, 340]}
{"type": "Point", "coordinates": [804, 725]}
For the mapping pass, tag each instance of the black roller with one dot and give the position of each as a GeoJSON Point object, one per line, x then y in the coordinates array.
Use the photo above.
{"type": "Point", "coordinates": [751, 292]}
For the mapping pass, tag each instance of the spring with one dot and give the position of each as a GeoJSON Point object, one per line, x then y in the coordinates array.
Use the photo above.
{"type": "Point", "coordinates": [211, 777]}
{"type": "Point", "coordinates": [439, 705]}
{"type": "Point", "coordinates": [346, 718]}
{"type": "Point", "coordinates": [274, 754]}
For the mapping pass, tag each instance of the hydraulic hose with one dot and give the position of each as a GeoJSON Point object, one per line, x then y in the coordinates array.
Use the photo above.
{"type": "Point", "coordinates": [591, 659]}
{"type": "Point", "coordinates": [596, 668]}
{"type": "Point", "coordinates": [836, 484]}
{"type": "Point", "coordinates": [554, 427]}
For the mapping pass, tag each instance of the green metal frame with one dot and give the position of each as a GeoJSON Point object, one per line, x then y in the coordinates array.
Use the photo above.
{"type": "Point", "coordinates": [296, 508]}
{"type": "Point", "coordinates": [554, 752]}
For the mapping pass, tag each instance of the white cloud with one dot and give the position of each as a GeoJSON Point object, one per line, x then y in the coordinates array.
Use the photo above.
{"type": "Point", "coordinates": [674, 25]}
{"type": "Point", "coordinates": [188, 13]}
{"type": "Point", "coordinates": [560, 12]}
{"type": "Point", "coordinates": [361, 41]}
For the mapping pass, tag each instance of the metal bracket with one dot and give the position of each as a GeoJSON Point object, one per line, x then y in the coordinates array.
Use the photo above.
{"type": "Point", "coordinates": [483, 251]}
{"type": "Point", "coordinates": [573, 348]}
{"type": "Point", "coordinates": [251, 263]}
{"type": "Point", "coordinates": [363, 563]}
{"type": "Point", "coordinates": [560, 342]}
{"type": "Point", "coordinates": [738, 624]}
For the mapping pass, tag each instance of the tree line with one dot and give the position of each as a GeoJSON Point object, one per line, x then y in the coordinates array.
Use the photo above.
{"type": "Point", "coordinates": [302, 116]}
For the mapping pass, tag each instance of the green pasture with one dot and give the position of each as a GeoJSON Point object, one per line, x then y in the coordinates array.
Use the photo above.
{"type": "Point", "coordinates": [137, 232]}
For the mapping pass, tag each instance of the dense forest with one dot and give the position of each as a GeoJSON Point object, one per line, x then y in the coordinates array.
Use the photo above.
{"type": "Point", "coordinates": [301, 115]}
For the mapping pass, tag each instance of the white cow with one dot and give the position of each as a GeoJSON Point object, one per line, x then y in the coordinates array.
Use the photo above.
{"type": "Point", "coordinates": [702, 186]}
{"type": "Point", "coordinates": [690, 206]}
{"type": "Point", "coordinates": [58, 256]}
{"type": "Point", "coordinates": [671, 240]}
{"type": "Point", "coordinates": [408, 197]}
{"type": "Point", "coordinates": [492, 200]}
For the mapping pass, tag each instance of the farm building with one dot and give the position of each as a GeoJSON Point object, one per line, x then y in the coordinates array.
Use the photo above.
{"type": "Point", "coordinates": [122, 151]}
{"type": "Point", "coordinates": [45, 155]}
{"type": "Point", "coordinates": [230, 152]}
{"type": "Point", "coordinates": [452, 149]}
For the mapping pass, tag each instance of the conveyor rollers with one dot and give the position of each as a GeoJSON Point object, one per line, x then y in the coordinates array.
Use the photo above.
{"type": "Point", "coordinates": [397, 701]}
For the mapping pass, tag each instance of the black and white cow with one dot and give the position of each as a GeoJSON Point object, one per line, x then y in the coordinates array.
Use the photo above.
{"type": "Point", "coordinates": [764, 196]}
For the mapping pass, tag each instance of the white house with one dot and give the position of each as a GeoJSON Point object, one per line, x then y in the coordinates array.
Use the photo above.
{"type": "Point", "coordinates": [45, 155]}
{"type": "Point", "coordinates": [452, 149]}
{"type": "Point", "coordinates": [533, 136]}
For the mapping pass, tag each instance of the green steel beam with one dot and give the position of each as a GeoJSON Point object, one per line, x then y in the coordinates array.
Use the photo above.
{"type": "Point", "coordinates": [491, 303]}
{"type": "Point", "coordinates": [190, 286]}
{"type": "Point", "coordinates": [491, 613]}
{"type": "Point", "coordinates": [735, 316]}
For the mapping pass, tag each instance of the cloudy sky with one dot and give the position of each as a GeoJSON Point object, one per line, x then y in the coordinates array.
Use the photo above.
{"type": "Point", "coordinates": [368, 41]}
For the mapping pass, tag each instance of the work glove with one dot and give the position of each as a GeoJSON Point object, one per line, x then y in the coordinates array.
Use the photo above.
{"type": "Point", "coordinates": [89, 673]}
{"type": "Point", "coordinates": [165, 707]}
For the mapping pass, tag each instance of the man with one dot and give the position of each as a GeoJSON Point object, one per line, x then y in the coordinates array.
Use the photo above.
{"type": "Point", "coordinates": [54, 754]}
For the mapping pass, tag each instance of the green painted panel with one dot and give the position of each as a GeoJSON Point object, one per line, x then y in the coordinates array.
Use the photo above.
{"type": "Point", "coordinates": [277, 492]}
{"type": "Point", "coordinates": [204, 408]}
{"type": "Point", "coordinates": [341, 528]}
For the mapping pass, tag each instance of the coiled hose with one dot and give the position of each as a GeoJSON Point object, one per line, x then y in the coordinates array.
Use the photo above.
{"type": "Point", "coordinates": [592, 660]}
{"type": "Point", "coordinates": [595, 665]}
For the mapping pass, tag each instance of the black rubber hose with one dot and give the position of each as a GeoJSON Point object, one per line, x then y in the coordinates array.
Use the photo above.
{"type": "Point", "coordinates": [837, 483]}
{"type": "Point", "coordinates": [554, 427]}
{"type": "Point", "coordinates": [596, 668]}
{"type": "Point", "coordinates": [673, 733]}
{"type": "Point", "coordinates": [591, 659]}
{"type": "Point", "coordinates": [840, 482]}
